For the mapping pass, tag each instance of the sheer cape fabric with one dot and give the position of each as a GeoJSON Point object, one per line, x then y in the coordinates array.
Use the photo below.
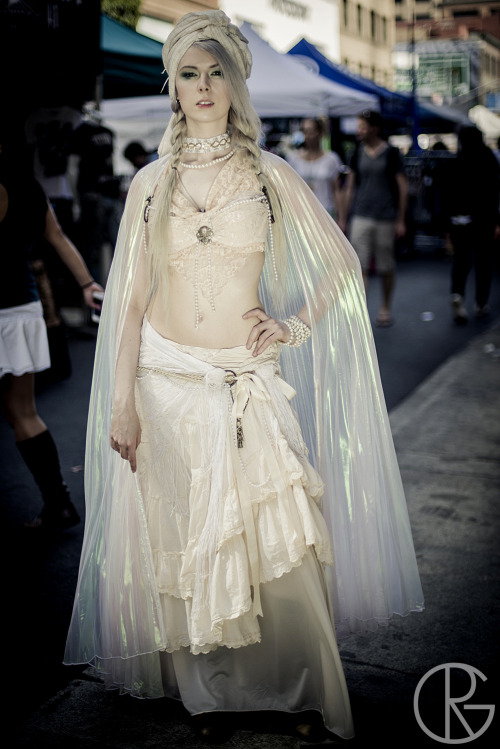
{"type": "Point", "coordinates": [342, 414]}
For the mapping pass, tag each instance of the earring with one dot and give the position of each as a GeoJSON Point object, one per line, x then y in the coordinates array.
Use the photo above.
{"type": "Point", "coordinates": [176, 106]}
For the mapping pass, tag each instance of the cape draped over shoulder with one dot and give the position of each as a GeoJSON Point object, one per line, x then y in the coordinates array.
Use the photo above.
{"type": "Point", "coordinates": [342, 414]}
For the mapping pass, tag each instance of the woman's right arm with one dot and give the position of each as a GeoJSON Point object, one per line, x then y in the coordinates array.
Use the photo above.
{"type": "Point", "coordinates": [125, 427]}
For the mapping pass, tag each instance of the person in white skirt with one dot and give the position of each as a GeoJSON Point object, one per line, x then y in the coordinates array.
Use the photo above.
{"type": "Point", "coordinates": [25, 217]}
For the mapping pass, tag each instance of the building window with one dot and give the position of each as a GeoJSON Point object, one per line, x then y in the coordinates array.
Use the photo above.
{"type": "Point", "coordinates": [359, 12]}
{"type": "Point", "coordinates": [384, 29]}
{"type": "Point", "coordinates": [373, 72]}
{"type": "Point", "coordinates": [346, 62]}
{"type": "Point", "coordinates": [346, 14]}
{"type": "Point", "coordinates": [373, 24]}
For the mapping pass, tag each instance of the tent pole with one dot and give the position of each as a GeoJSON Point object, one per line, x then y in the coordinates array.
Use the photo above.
{"type": "Point", "coordinates": [415, 124]}
{"type": "Point", "coordinates": [98, 92]}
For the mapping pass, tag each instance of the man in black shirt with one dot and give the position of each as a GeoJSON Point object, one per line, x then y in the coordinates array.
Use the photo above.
{"type": "Point", "coordinates": [376, 189]}
{"type": "Point", "coordinates": [98, 192]}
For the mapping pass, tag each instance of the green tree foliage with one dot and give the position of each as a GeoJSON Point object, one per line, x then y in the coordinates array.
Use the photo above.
{"type": "Point", "coordinates": [124, 11]}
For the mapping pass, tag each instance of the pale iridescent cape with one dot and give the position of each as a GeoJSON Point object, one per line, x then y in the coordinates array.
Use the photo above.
{"type": "Point", "coordinates": [344, 421]}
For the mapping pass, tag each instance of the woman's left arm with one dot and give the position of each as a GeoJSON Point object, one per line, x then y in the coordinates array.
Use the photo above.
{"type": "Point", "coordinates": [71, 258]}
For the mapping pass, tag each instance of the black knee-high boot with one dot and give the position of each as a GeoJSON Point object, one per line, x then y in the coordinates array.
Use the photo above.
{"type": "Point", "coordinates": [40, 455]}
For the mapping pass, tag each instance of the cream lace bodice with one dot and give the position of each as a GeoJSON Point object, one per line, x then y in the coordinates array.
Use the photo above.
{"type": "Point", "coordinates": [208, 248]}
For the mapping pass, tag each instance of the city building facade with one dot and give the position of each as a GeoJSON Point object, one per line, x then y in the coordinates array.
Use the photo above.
{"type": "Point", "coordinates": [282, 23]}
{"type": "Point", "coordinates": [454, 47]}
{"type": "Point", "coordinates": [359, 34]}
{"type": "Point", "coordinates": [158, 17]}
{"type": "Point", "coordinates": [367, 36]}
{"type": "Point", "coordinates": [446, 18]}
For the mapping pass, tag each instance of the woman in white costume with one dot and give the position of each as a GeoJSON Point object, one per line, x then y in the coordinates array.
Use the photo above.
{"type": "Point", "coordinates": [211, 540]}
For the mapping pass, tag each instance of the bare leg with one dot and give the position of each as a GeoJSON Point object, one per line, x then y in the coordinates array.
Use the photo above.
{"type": "Point", "coordinates": [384, 317]}
{"type": "Point", "coordinates": [19, 408]}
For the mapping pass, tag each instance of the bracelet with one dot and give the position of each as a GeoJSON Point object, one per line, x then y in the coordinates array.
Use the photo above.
{"type": "Point", "coordinates": [86, 285]}
{"type": "Point", "coordinates": [299, 331]}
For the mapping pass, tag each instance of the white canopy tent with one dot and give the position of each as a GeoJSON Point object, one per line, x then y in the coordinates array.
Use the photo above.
{"type": "Point", "coordinates": [141, 118]}
{"type": "Point", "coordinates": [282, 87]}
{"type": "Point", "coordinates": [279, 87]}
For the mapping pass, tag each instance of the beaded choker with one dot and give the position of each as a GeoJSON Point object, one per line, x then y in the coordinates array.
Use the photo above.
{"type": "Point", "coordinates": [206, 145]}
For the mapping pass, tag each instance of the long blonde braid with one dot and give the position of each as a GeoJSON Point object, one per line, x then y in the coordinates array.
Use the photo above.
{"type": "Point", "coordinates": [157, 249]}
{"type": "Point", "coordinates": [247, 132]}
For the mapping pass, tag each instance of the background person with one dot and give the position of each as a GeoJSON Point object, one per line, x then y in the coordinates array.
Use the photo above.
{"type": "Point", "coordinates": [98, 191]}
{"type": "Point", "coordinates": [320, 169]}
{"type": "Point", "coordinates": [376, 197]}
{"type": "Point", "coordinates": [25, 217]}
{"type": "Point", "coordinates": [470, 202]}
{"type": "Point", "coordinates": [137, 154]}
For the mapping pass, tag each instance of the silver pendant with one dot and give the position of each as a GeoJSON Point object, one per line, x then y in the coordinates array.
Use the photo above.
{"type": "Point", "coordinates": [204, 234]}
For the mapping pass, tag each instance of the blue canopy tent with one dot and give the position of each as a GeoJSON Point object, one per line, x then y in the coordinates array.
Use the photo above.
{"type": "Point", "coordinates": [395, 107]}
{"type": "Point", "coordinates": [131, 62]}
{"type": "Point", "coordinates": [392, 103]}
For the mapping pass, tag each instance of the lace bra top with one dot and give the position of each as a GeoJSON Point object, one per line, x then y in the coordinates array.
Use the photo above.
{"type": "Point", "coordinates": [208, 248]}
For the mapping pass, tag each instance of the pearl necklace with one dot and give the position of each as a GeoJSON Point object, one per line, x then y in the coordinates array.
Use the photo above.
{"type": "Point", "coordinates": [206, 164]}
{"type": "Point", "coordinates": [206, 145]}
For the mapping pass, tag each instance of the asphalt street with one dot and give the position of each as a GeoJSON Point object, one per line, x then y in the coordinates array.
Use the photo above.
{"type": "Point", "coordinates": [441, 386]}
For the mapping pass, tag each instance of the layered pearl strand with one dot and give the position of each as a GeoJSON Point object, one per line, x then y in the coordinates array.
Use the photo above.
{"type": "Point", "coordinates": [205, 164]}
{"type": "Point", "coordinates": [299, 331]}
{"type": "Point", "coordinates": [270, 219]}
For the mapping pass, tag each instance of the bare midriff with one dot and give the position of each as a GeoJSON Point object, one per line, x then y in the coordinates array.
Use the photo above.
{"type": "Point", "coordinates": [222, 327]}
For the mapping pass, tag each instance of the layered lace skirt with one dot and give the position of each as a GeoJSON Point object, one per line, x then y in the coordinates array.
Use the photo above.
{"type": "Point", "coordinates": [237, 537]}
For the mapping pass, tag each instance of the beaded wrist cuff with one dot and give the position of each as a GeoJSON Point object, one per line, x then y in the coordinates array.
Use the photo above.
{"type": "Point", "coordinates": [299, 331]}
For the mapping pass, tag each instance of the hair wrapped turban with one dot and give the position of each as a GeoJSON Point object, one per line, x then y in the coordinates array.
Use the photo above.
{"type": "Point", "coordinates": [196, 27]}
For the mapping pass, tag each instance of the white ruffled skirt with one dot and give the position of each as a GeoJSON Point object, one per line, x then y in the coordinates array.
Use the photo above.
{"type": "Point", "coordinates": [24, 345]}
{"type": "Point", "coordinates": [237, 539]}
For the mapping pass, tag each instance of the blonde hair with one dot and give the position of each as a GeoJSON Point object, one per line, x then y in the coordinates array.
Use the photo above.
{"type": "Point", "coordinates": [245, 127]}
